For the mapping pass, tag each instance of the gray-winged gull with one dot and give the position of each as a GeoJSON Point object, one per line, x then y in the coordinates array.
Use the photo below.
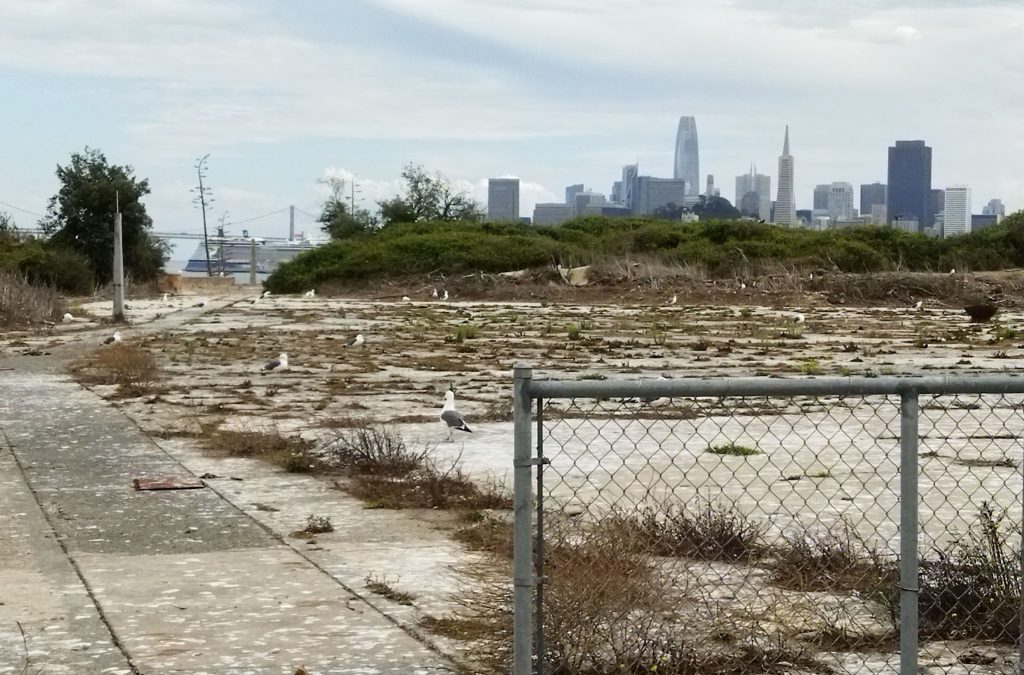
{"type": "Point", "coordinates": [67, 317]}
{"type": "Point", "coordinates": [311, 293]}
{"type": "Point", "coordinates": [451, 417]}
{"type": "Point", "coordinates": [116, 337]}
{"type": "Point", "coordinates": [275, 365]}
{"type": "Point", "coordinates": [355, 340]}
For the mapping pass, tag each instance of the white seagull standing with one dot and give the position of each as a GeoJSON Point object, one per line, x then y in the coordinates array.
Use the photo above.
{"type": "Point", "coordinates": [67, 317]}
{"type": "Point", "coordinates": [311, 293]}
{"type": "Point", "coordinates": [275, 365]}
{"type": "Point", "coordinates": [918, 305]}
{"type": "Point", "coordinates": [433, 293]}
{"type": "Point", "coordinates": [164, 300]}
{"type": "Point", "coordinates": [266, 294]}
{"type": "Point", "coordinates": [355, 341]}
{"type": "Point", "coordinates": [451, 417]}
{"type": "Point", "coordinates": [673, 300]}
{"type": "Point", "coordinates": [116, 337]}
{"type": "Point", "coordinates": [445, 296]}
{"type": "Point", "coordinates": [405, 298]}
{"type": "Point", "coordinates": [798, 318]}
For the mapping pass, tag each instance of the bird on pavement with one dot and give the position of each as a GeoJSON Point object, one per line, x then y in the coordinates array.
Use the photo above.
{"type": "Point", "coordinates": [355, 341]}
{"type": "Point", "coordinates": [451, 417]}
{"type": "Point", "coordinates": [116, 337]}
{"type": "Point", "coordinates": [275, 365]}
{"type": "Point", "coordinates": [67, 317]}
{"type": "Point", "coordinates": [310, 293]}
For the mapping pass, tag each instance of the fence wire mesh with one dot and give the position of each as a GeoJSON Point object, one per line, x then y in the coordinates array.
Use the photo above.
{"type": "Point", "coordinates": [762, 534]}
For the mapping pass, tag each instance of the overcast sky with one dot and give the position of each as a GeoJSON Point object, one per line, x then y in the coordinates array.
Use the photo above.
{"type": "Point", "coordinates": [281, 93]}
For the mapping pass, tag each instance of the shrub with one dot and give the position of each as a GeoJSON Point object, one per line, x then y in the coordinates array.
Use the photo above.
{"type": "Point", "coordinates": [24, 304]}
{"type": "Point", "coordinates": [286, 452]}
{"type": "Point", "coordinates": [129, 366]}
{"type": "Point", "coordinates": [734, 449]}
{"type": "Point", "coordinates": [374, 452]}
{"type": "Point", "coordinates": [711, 532]}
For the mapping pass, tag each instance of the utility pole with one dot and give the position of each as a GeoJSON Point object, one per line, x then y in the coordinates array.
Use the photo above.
{"type": "Point", "coordinates": [252, 262]}
{"type": "Point", "coordinates": [291, 223]}
{"type": "Point", "coordinates": [204, 201]}
{"type": "Point", "coordinates": [352, 198]}
{"type": "Point", "coordinates": [118, 281]}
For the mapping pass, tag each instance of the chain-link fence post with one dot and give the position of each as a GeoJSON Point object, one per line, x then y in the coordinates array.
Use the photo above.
{"type": "Point", "coordinates": [522, 545]}
{"type": "Point", "coordinates": [909, 410]}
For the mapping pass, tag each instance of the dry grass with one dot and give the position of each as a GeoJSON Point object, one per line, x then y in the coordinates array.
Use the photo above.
{"type": "Point", "coordinates": [132, 368]}
{"type": "Point", "coordinates": [370, 451]}
{"type": "Point", "coordinates": [382, 587]}
{"type": "Point", "coordinates": [709, 532]}
{"type": "Point", "coordinates": [486, 532]}
{"type": "Point", "coordinates": [433, 485]}
{"type": "Point", "coordinates": [286, 452]}
{"type": "Point", "coordinates": [836, 560]}
{"type": "Point", "coordinates": [23, 304]}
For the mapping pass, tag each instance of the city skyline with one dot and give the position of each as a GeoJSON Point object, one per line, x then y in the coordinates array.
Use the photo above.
{"type": "Point", "coordinates": [282, 95]}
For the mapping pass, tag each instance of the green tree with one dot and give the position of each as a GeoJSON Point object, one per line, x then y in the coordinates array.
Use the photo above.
{"type": "Point", "coordinates": [428, 197]}
{"type": "Point", "coordinates": [81, 216]}
{"type": "Point", "coordinates": [337, 219]}
{"type": "Point", "coordinates": [715, 208]}
{"type": "Point", "coordinates": [669, 212]}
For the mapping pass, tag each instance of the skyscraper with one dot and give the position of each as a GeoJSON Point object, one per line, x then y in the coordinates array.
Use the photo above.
{"type": "Point", "coordinates": [503, 199]}
{"type": "Point", "coordinates": [910, 183]}
{"type": "Point", "coordinates": [871, 195]}
{"type": "Point", "coordinates": [785, 207]}
{"type": "Point", "coordinates": [821, 193]}
{"type": "Point", "coordinates": [957, 211]}
{"type": "Point", "coordinates": [760, 204]}
{"type": "Point", "coordinates": [571, 192]}
{"type": "Point", "coordinates": [840, 202]}
{"type": "Point", "coordinates": [995, 208]}
{"type": "Point", "coordinates": [687, 157]}
{"type": "Point", "coordinates": [629, 174]}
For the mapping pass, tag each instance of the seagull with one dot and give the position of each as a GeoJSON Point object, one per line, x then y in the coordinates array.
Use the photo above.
{"type": "Point", "coordinates": [433, 293]}
{"type": "Point", "coordinates": [201, 303]}
{"type": "Point", "coordinates": [405, 298]}
{"type": "Point", "coordinates": [164, 301]}
{"type": "Point", "coordinates": [673, 300]}
{"type": "Point", "coordinates": [275, 365]}
{"type": "Point", "coordinates": [658, 399]}
{"type": "Point", "coordinates": [266, 294]}
{"type": "Point", "coordinates": [311, 293]}
{"type": "Point", "coordinates": [798, 318]}
{"type": "Point", "coordinates": [953, 271]}
{"type": "Point", "coordinates": [355, 340]}
{"type": "Point", "coordinates": [918, 305]}
{"type": "Point", "coordinates": [743, 286]}
{"type": "Point", "coordinates": [451, 417]}
{"type": "Point", "coordinates": [445, 296]}
{"type": "Point", "coordinates": [116, 337]}
{"type": "Point", "coordinates": [67, 317]}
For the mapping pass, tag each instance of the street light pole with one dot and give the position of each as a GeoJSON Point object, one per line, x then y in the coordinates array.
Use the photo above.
{"type": "Point", "coordinates": [200, 167]}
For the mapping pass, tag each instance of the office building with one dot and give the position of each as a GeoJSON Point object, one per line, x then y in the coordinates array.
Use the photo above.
{"type": "Point", "coordinates": [585, 200]}
{"type": "Point", "coordinates": [994, 208]}
{"type": "Point", "coordinates": [629, 174]}
{"type": "Point", "coordinates": [760, 204]}
{"type": "Point", "coordinates": [503, 199]}
{"type": "Point", "coordinates": [552, 213]}
{"type": "Point", "coordinates": [980, 222]}
{"type": "Point", "coordinates": [840, 202]}
{"type": "Point", "coordinates": [653, 193]}
{"type": "Point", "coordinates": [616, 195]}
{"type": "Point", "coordinates": [821, 193]}
{"type": "Point", "coordinates": [785, 206]}
{"type": "Point", "coordinates": [571, 192]}
{"type": "Point", "coordinates": [910, 182]}
{"type": "Point", "coordinates": [871, 194]}
{"type": "Point", "coordinates": [937, 203]}
{"type": "Point", "coordinates": [687, 164]}
{"type": "Point", "coordinates": [957, 212]}
{"type": "Point", "coordinates": [878, 214]}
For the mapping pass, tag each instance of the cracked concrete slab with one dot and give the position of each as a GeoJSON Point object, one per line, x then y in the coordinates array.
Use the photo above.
{"type": "Point", "coordinates": [188, 582]}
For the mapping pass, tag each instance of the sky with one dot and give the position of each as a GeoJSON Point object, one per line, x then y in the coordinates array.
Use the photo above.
{"type": "Point", "coordinates": [282, 94]}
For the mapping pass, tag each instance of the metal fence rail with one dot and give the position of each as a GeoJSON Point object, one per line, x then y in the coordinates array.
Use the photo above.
{"type": "Point", "coordinates": [762, 525]}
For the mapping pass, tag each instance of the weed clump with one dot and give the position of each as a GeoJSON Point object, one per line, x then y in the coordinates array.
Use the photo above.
{"type": "Point", "coordinates": [733, 449]}
{"type": "Point", "coordinates": [835, 560]}
{"type": "Point", "coordinates": [286, 452]}
{"type": "Point", "coordinates": [381, 587]}
{"type": "Point", "coordinates": [133, 369]}
{"type": "Point", "coordinates": [710, 532]}
{"type": "Point", "coordinates": [318, 525]}
{"type": "Point", "coordinates": [374, 452]}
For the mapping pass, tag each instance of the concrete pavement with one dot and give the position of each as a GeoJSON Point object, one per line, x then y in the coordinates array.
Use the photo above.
{"type": "Point", "coordinates": [108, 579]}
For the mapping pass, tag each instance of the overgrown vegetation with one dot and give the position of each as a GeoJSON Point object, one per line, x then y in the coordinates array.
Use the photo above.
{"type": "Point", "coordinates": [721, 247]}
{"type": "Point", "coordinates": [43, 263]}
{"type": "Point", "coordinates": [287, 452]}
{"type": "Point", "coordinates": [23, 304]}
{"type": "Point", "coordinates": [132, 368]}
{"type": "Point", "coordinates": [733, 449]}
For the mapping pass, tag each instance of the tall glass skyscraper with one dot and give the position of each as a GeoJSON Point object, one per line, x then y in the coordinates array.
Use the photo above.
{"type": "Point", "coordinates": [687, 156]}
{"type": "Point", "coordinates": [910, 183]}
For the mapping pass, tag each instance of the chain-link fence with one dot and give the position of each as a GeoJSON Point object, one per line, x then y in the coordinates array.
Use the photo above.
{"type": "Point", "coordinates": [826, 525]}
